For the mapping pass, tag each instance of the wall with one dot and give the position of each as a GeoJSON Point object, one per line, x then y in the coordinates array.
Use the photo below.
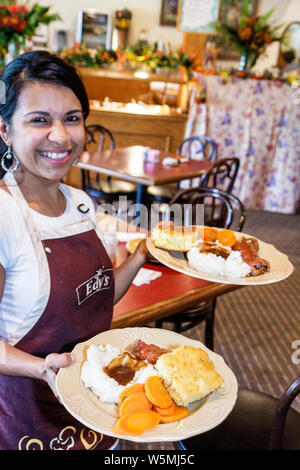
{"type": "Point", "coordinates": [285, 12]}
{"type": "Point", "coordinates": [146, 15]}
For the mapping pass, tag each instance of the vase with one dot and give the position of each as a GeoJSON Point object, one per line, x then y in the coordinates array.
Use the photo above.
{"type": "Point", "coordinates": [247, 60]}
{"type": "Point", "coordinates": [244, 58]}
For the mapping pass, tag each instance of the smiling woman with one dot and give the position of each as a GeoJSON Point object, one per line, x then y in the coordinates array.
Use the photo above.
{"type": "Point", "coordinates": [47, 132]}
{"type": "Point", "coordinates": [49, 250]}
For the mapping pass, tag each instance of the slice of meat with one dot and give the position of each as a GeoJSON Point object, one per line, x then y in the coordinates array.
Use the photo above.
{"type": "Point", "coordinates": [248, 248]}
{"type": "Point", "coordinates": [258, 266]}
{"type": "Point", "coordinates": [146, 352]}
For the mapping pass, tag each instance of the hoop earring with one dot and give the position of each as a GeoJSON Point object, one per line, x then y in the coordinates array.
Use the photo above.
{"type": "Point", "coordinates": [10, 156]}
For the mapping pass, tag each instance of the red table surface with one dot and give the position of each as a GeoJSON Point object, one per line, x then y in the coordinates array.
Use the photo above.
{"type": "Point", "coordinates": [170, 284]}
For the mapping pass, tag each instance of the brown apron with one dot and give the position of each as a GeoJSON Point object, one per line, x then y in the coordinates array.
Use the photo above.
{"type": "Point", "coordinates": [78, 305]}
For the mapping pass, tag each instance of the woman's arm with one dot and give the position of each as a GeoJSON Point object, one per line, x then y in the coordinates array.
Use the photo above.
{"type": "Point", "coordinates": [15, 362]}
{"type": "Point", "coordinates": [126, 272]}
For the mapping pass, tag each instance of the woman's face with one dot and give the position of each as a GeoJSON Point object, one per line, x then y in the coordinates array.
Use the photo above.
{"type": "Point", "coordinates": [47, 130]}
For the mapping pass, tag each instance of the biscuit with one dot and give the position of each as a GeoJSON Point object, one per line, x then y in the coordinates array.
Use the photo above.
{"type": "Point", "coordinates": [172, 237]}
{"type": "Point", "coordinates": [188, 374]}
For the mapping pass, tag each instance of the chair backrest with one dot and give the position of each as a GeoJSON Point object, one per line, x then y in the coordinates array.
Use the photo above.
{"type": "Point", "coordinates": [98, 138]}
{"type": "Point", "coordinates": [280, 414]}
{"type": "Point", "coordinates": [211, 206]}
{"type": "Point", "coordinates": [198, 147]}
{"type": "Point", "coordinates": [222, 174]}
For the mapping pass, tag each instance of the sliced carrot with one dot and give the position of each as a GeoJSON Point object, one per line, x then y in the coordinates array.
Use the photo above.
{"type": "Point", "coordinates": [165, 411]}
{"type": "Point", "coordinates": [157, 393]}
{"type": "Point", "coordinates": [135, 401]}
{"type": "Point", "coordinates": [117, 430]}
{"type": "Point", "coordinates": [226, 237]}
{"type": "Point", "coordinates": [210, 234]}
{"type": "Point", "coordinates": [138, 421]}
{"type": "Point", "coordinates": [180, 412]}
{"type": "Point", "coordinates": [130, 389]}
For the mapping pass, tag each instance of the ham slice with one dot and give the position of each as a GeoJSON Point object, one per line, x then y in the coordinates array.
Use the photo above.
{"type": "Point", "coordinates": [249, 251]}
{"type": "Point", "coordinates": [146, 352]}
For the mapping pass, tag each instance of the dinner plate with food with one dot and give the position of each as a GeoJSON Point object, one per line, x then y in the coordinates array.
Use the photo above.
{"type": "Point", "coordinates": [147, 385]}
{"type": "Point", "coordinates": [218, 255]}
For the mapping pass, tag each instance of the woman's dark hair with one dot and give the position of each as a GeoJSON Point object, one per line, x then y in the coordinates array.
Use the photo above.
{"type": "Point", "coordinates": [39, 66]}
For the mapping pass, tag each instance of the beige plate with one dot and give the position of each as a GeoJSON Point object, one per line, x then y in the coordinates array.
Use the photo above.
{"type": "Point", "coordinates": [87, 408]}
{"type": "Point", "coordinates": [280, 265]}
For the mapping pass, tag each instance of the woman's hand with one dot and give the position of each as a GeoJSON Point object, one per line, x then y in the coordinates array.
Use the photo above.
{"type": "Point", "coordinates": [52, 363]}
{"type": "Point", "coordinates": [15, 362]}
{"type": "Point", "coordinates": [126, 272]}
{"type": "Point", "coordinates": [143, 250]}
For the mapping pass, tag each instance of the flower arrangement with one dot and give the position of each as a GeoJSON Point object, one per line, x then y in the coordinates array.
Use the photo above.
{"type": "Point", "coordinates": [191, 62]}
{"type": "Point", "coordinates": [132, 58]}
{"type": "Point", "coordinates": [139, 54]}
{"type": "Point", "coordinates": [122, 19]}
{"type": "Point", "coordinates": [105, 57]}
{"type": "Point", "coordinates": [79, 55]}
{"type": "Point", "coordinates": [19, 22]}
{"type": "Point", "coordinates": [249, 34]}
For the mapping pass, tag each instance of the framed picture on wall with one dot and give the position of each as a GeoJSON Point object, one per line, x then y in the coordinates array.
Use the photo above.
{"type": "Point", "coordinates": [168, 14]}
{"type": "Point", "coordinates": [196, 16]}
{"type": "Point", "coordinates": [231, 9]}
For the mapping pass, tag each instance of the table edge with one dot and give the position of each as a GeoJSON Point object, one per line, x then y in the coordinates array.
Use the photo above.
{"type": "Point", "coordinates": [164, 308]}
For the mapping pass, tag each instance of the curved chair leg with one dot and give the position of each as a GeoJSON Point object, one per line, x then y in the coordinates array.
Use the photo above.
{"type": "Point", "coordinates": [208, 330]}
{"type": "Point", "coordinates": [209, 327]}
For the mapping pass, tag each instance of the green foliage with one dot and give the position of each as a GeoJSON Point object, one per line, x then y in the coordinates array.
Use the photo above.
{"type": "Point", "coordinates": [19, 22]}
{"type": "Point", "coordinates": [249, 35]}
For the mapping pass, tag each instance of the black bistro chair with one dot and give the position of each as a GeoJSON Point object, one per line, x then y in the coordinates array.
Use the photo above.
{"type": "Point", "coordinates": [221, 209]}
{"type": "Point", "coordinates": [107, 189]}
{"type": "Point", "coordinates": [191, 147]}
{"type": "Point", "coordinates": [222, 174]}
{"type": "Point", "coordinates": [257, 422]}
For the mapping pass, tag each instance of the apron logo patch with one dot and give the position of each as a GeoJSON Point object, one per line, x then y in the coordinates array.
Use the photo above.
{"type": "Point", "coordinates": [100, 281]}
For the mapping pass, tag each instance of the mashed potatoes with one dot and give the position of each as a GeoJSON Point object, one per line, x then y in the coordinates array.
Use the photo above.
{"type": "Point", "coordinates": [233, 266]}
{"type": "Point", "coordinates": [94, 377]}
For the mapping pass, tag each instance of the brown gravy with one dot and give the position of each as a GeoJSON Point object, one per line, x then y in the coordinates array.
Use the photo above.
{"type": "Point", "coordinates": [215, 250]}
{"type": "Point", "coordinates": [123, 368]}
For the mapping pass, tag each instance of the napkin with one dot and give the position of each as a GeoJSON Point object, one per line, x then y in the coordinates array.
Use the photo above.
{"type": "Point", "coordinates": [145, 276]}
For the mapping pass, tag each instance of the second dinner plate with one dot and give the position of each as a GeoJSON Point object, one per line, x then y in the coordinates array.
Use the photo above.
{"type": "Point", "coordinates": [280, 265]}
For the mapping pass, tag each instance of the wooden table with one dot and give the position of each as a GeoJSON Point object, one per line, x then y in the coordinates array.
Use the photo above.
{"type": "Point", "coordinates": [128, 164]}
{"type": "Point", "coordinates": [171, 293]}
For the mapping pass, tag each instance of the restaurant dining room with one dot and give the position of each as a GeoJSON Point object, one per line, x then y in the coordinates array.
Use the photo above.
{"type": "Point", "coordinates": [149, 226]}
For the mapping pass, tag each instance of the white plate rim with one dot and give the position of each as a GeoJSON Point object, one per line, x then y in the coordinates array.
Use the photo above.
{"type": "Point", "coordinates": [166, 258]}
{"type": "Point", "coordinates": [76, 398]}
